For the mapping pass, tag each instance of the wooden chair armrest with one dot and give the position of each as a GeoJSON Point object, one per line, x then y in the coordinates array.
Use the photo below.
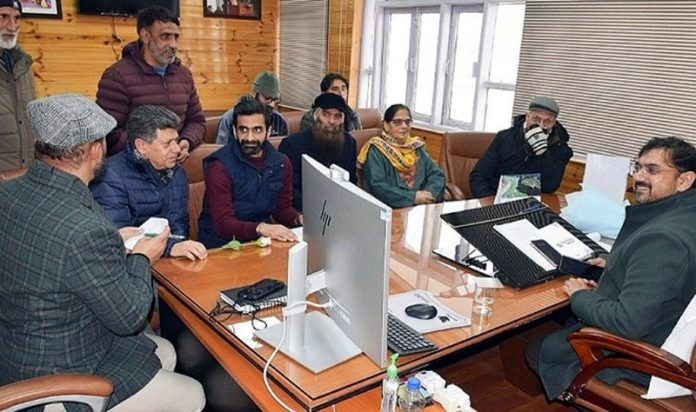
{"type": "Point", "coordinates": [28, 391]}
{"type": "Point", "coordinates": [453, 192]}
{"type": "Point", "coordinates": [591, 345]}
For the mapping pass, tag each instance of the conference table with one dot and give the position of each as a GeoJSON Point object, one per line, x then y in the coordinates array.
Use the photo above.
{"type": "Point", "coordinates": [191, 289]}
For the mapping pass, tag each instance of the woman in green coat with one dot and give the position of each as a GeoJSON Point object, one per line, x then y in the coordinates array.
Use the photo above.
{"type": "Point", "coordinates": [396, 169]}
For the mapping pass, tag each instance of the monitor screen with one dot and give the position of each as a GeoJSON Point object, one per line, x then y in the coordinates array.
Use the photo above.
{"type": "Point", "coordinates": [347, 237]}
{"type": "Point", "coordinates": [123, 7]}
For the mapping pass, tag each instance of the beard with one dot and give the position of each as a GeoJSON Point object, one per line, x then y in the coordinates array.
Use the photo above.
{"type": "Point", "coordinates": [8, 44]}
{"type": "Point", "coordinates": [330, 140]}
{"type": "Point", "coordinates": [251, 147]}
{"type": "Point", "coordinates": [164, 57]}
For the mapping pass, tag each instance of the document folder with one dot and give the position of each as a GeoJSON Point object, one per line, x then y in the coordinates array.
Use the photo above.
{"type": "Point", "coordinates": [514, 267]}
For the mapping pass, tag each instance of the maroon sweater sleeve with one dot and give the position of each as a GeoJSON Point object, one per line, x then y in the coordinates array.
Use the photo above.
{"type": "Point", "coordinates": [285, 214]}
{"type": "Point", "coordinates": [218, 186]}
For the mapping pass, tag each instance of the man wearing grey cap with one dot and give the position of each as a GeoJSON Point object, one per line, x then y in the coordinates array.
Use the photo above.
{"type": "Point", "coordinates": [16, 90]}
{"type": "Point", "coordinates": [536, 143]}
{"type": "Point", "coordinates": [71, 299]}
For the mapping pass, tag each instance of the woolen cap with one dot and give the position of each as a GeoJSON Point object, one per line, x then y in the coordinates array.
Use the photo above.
{"type": "Point", "coordinates": [68, 120]}
{"type": "Point", "coordinates": [545, 103]}
{"type": "Point", "coordinates": [267, 84]}
{"type": "Point", "coordinates": [15, 4]}
{"type": "Point", "coordinates": [330, 101]}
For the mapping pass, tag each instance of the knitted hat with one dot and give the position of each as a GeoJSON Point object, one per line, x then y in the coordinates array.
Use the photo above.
{"type": "Point", "coordinates": [68, 120]}
{"type": "Point", "coordinates": [330, 101]}
{"type": "Point", "coordinates": [545, 103]}
{"type": "Point", "coordinates": [15, 4]}
{"type": "Point", "coordinates": [267, 84]}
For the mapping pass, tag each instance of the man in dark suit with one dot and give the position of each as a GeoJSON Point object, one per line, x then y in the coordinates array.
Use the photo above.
{"type": "Point", "coordinates": [648, 278]}
{"type": "Point", "coordinates": [71, 299]}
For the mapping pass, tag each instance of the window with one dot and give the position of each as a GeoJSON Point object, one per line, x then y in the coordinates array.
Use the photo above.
{"type": "Point", "coordinates": [453, 63]}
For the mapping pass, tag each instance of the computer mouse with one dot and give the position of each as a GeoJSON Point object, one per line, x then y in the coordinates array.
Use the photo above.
{"type": "Point", "coordinates": [421, 311]}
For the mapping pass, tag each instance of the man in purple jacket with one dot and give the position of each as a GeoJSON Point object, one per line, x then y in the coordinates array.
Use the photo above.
{"type": "Point", "coordinates": [150, 73]}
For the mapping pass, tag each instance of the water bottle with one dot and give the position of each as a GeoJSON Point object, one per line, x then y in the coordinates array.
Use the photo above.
{"type": "Point", "coordinates": [413, 400]}
{"type": "Point", "coordinates": [390, 386]}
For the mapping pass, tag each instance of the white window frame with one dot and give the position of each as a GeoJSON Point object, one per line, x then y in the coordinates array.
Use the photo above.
{"type": "Point", "coordinates": [373, 53]}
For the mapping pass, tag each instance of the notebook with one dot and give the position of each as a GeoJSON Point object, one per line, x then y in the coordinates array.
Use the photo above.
{"type": "Point", "coordinates": [276, 298]}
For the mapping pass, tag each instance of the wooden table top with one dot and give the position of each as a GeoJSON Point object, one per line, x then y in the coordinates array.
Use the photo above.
{"type": "Point", "coordinates": [193, 287]}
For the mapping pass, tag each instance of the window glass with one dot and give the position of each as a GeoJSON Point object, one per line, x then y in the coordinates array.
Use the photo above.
{"type": "Point", "coordinates": [499, 110]}
{"type": "Point", "coordinates": [465, 74]}
{"type": "Point", "coordinates": [427, 60]}
{"type": "Point", "coordinates": [396, 73]}
{"type": "Point", "coordinates": [505, 57]}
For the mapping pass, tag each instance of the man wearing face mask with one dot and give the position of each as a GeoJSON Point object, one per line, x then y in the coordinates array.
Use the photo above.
{"type": "Point", "coordinates": [248, 184]}
{"type": "Point", "coordinates": [536, 143]}
{"type": "Point", "coordinates": [16, 90]}
{"type": "Point", "coordinates": [150, 73]}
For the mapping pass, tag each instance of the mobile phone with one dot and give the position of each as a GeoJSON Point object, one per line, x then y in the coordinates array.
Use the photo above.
{"type": "Point", "coordinates": [580, 269]}
{"type": "Point", "coordinates": [260, 289]}
{"type": "Point", "coordinates": [551, 254]}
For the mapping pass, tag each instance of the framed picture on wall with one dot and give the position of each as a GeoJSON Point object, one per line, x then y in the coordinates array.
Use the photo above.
{"type": "Point", "coordinates": [41, 8]}
{"type": "Point", "coordinates": [235, 9]}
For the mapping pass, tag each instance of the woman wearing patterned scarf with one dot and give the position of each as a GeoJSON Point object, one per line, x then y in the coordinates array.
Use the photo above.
{"type": "Point", "coordinates": [396, 169]}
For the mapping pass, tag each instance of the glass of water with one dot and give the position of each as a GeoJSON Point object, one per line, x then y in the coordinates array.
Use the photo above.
{"type": "Point", "coordinates": [483, 301]}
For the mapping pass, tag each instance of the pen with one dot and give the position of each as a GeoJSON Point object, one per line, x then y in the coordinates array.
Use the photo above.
{"type": "Point", "coordinates": [175, 237]}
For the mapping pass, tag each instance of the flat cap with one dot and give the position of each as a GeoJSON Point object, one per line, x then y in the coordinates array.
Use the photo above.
{"type": "Point", "coordinates": [330, 101]}
{"type": "Point", "coordinates": [68, 120]}
{"type": "Point", "coordinates": [545, 103]}
{"type": "Point", "coordinates": [15, 4]}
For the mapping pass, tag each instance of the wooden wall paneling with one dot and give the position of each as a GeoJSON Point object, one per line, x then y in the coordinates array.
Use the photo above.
{"type": "Point", "coordinates": [223, 54]}
{"type": "Point", "coordinates": [344, 42]}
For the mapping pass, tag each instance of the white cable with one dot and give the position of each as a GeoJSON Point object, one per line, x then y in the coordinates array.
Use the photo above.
{"type": "Point", "coordinates": [275, 351]}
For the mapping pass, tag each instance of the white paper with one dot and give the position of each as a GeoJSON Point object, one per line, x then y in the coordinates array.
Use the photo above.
{"type": "Point", "coordinates": [565, 242]}
{"type": "Point", "coordinates": [298, 232]}
{"type": "Point", "coordinates": [521, 233]}
{"type": "Point", "coordinates": [446, 318]}
{"type": "Point", "coordinates": [151, 225]}
{"type": "Point", "coordinates": [607, 174]}
{"type": "Point", "coordinates": [680, 343]}
{"type": "Point", "coordinates": [245, 330]}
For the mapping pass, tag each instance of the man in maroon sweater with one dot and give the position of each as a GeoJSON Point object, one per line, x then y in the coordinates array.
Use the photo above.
{"type": "Point", "coordinates": [248, 184]}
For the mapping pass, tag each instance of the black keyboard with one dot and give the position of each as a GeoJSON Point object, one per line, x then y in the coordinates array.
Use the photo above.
{"type": "Point", "coordinates": [404, 340]}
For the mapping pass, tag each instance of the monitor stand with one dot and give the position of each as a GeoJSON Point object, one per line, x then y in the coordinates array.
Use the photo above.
{"type": "Point", "coordinates": [311, 339]}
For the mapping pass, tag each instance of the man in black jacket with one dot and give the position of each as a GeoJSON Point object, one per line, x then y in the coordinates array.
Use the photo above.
{"type": "Point", "coordinates": [536, 143]}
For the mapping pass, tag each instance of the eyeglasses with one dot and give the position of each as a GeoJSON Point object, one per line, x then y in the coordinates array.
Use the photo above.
{"type": "Point", "coordinates": [399, 122]}
{"type": "Point", "coordinates": [651, 169]}
{"type": "Point", "coordinates": [545, 122]}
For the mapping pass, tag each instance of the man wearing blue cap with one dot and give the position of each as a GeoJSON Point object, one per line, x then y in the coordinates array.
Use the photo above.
{"type": "Point", "coordinates": [16, 90]}
{"type": "Point", "coordinates": [536, 143]}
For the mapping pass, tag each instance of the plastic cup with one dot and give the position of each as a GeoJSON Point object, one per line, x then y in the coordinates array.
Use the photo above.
{"type": "Point", "coordinates": [483, 301]}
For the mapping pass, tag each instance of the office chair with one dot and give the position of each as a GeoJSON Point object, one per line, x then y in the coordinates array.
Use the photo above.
{"type": "Point", "coordinates": [459, 154]}
{"type": "Point", "coordinates": [93, 391]}
{"type": "Point", "coordinates": [591, 345]}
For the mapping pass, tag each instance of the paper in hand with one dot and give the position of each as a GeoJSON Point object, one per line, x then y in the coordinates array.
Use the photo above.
{"type": "Point", "coordinates": [151, 225]}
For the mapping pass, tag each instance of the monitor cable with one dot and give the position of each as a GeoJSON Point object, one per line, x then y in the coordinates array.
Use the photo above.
{"type": "Point", "coordinates": [286, 311]}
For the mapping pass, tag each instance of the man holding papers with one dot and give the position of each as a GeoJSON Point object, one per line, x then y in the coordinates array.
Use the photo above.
{"type": "Point", "coordinates": [649, 276]}
{"type": "Point", "coordinates": [71, 299]}
{"type": "Point", "coordinates": [144, 180]}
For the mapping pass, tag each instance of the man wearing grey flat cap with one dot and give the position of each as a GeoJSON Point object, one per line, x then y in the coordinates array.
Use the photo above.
{"type": "Point", "coordinates": [71, 299]}
{"type": "Point", "coordinates": [16, 90]}
{"type": "Point", "coordinates": [536, 143]}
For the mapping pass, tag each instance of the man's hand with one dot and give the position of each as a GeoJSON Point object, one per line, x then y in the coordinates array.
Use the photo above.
{"type": "Point", "coordinates": [128, 232]}
{"type": "Point", "coordinates": [573, 285]}
{"type": "Point", "coordinates": [601, 262]}
{"type": "Point", "coordinates": [152, 247]}
{"type": "Point", "coordinates": [423, 196]}
{"type": "Point", "coordinates": [276, 232]}
{"type": "Point", "coordinates": [184, 145]}
{"type": "Point", "coordinates": [189, 249]}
